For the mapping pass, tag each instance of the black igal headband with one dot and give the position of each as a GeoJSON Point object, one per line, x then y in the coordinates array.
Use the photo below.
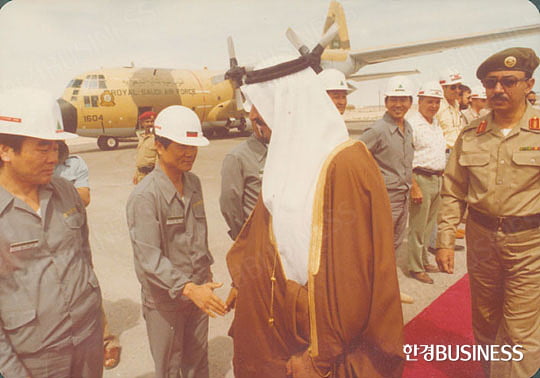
{"type": "Point", "coordinates": [313, 59]}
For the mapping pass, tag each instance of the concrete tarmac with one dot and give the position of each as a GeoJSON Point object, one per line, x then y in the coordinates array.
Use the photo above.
{"type": "Point", "coordinates": [111, 173]}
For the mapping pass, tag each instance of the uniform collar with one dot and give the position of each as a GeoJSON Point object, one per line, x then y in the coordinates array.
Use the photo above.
{"type": "Point", "coordinates": [259, 148]}
{"type": "Point", "coordinates": [523, 123]}
{"type": "Point", "coordinates": [6, 198]}
{"type": "Point", "coordinates": [169, 190]}
{"type": "Point", "coordinates": [395, 128]}
{"type": "Point", "coordinates": [446, 104]}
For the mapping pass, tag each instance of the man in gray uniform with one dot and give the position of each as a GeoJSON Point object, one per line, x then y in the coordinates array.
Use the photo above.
{"type": "Point", "coordinates": [167, 226]}
{"type": "Point", "coordinates": [241, 175]}
{"type": "Point", "coordinates": [390, 141]}
{"type": "Point", "coordinates": [50, 301]}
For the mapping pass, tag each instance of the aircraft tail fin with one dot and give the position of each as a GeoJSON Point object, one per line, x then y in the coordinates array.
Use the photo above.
{"type": "Point", "coordinates": [336, 14]}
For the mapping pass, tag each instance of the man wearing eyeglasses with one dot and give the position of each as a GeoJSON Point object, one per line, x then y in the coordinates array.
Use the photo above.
{"type": "Point", "coordinates": [449, 115]}
{"type": "Point", "coordinates": [241, 175]}
{"type": "Point", "coordinates": [494, 169]}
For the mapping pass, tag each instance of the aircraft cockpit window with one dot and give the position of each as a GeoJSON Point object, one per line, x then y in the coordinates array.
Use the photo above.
{"type": "Point", "coordinates": [102, 84]}
{"type": "Point", "coordinates": [90, 101]}
{"type": "Point", "coordinates": [76, 83]}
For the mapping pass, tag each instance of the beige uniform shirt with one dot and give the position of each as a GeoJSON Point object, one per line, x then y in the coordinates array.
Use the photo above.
{"type": "Point", "coordinates": [494, 174]}
{"type": "Point", "coordinates": [146, 155]}
{"type": "Point", "coordinates": [451, 121]}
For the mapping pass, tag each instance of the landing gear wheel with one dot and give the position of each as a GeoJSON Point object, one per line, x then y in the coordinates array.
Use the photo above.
{"type": "Point", "coordinates": [208, 132]}
{"type": "Point", "coordinates": [107, 143]}
{"type": "Point", "coordinates": [221, 132]}
{"type": "Point", "coordinates": [243, 125]}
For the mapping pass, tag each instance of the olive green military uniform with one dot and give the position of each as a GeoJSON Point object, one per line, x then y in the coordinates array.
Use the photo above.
{"type": "Point", "coordinates": [499, 176]}
{"type": "Point", "coordinates": [146, 156]}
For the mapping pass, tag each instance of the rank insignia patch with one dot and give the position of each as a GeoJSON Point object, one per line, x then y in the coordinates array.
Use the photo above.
{"type": "Point", "coordinates": [481, 127]}
{"type": "Point", "coordinates": [534, 123]}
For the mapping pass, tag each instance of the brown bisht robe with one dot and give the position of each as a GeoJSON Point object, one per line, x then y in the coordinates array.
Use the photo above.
{"type": "Point", "coordinates": [352, 296]}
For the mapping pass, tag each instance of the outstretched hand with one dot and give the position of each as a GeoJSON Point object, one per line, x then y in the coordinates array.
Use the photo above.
{"type": "Point", "coordinates": [445, 260]}
{"type": "Point", "coordinates": [203, 296]}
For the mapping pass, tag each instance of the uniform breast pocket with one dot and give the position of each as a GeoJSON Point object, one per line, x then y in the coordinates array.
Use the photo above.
{"type": "Point", "coordinates": [74, 221]}
{"type": "Point", "coordinates": [528, 168]}
{"type": "Point", "coordinates": [21, 326]}
{"type": "Point", "coordinates": [477, 164]}
{"type": "Point", "coordinates": [71, 235]}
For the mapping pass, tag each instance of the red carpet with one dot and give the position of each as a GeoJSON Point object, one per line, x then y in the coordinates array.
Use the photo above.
{"type": "Point", "coordinates": [447, 321]}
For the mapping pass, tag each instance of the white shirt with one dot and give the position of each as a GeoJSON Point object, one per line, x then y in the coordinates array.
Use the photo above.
{"type": "Point", "coordinates": [429, 143]}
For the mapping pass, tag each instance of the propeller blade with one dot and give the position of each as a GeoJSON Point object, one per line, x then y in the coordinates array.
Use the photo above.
{"type": "Point", "coordinates": [232, 53]}
{"type": "Point", "coordinates": [330, 34]}
{"type": "Point", "coordinates": [239, 99]}
{"type": "Point", "coordinates": [296, 42]}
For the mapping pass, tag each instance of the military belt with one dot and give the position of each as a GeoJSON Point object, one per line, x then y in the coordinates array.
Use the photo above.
{"type": "Point", "coordinates": [146, 170]}
{"type": "Point", "coordinates": [508, 225]}
{"type": "Point", "coordinates": [427, 172]}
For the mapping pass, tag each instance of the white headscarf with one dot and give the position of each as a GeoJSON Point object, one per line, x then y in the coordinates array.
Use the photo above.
{"type": "Point", "coordinates": [306, 127]}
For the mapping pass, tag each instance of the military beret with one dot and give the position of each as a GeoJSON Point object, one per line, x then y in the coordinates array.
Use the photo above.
{"type": "Point", "coordinates": [146, 115]}
{"type": "Point", "coordinates": [512, 59]}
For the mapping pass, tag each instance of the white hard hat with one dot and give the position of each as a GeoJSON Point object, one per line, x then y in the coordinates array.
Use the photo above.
{"type": "Point", "coordinates": [479, 92]}
{"type": "Point", "coordinates": [33, 113]}
{"type": "Point", "coordinates": [450, 76]}
{"type": "Point", "coordinates": [334, 80]}
{"type": "Point", "coordinates": [181, 125]}
{"type": "Point", "coordinates": [398, 86]}
{"type": "Point", "coordinates": [430, 89]}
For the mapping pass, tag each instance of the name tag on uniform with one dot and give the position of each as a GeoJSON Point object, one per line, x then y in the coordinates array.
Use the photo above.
{"type": "Point", "coordinates": [175, 220]}
{"type": "Point", "coordinates": [23, 246]}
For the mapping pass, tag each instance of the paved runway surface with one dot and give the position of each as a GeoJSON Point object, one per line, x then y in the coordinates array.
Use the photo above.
{"type": "Point", "coordinates": [110, 181]}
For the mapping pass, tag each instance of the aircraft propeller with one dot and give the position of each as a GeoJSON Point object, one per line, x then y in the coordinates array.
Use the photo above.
{"type": "Point", "coordinates": [317, 51]}
{"type": "Point", "coordinates": [235, 74]}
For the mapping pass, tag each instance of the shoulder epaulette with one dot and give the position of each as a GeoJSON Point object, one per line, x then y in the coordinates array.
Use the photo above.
{"type": "Point", "coordinates": [534, 123]}
{"type": "Point", "coordinates": [482, 126]}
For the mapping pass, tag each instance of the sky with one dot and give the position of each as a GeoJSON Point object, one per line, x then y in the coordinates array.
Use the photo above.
{"type": "Point", "coordinates": [45, 44]}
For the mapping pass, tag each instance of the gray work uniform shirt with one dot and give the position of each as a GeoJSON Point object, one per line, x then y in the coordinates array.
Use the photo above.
{"type": "Point", "coordinates": [169, 238]}
{"type": "Point", "coordinates": [393, 150]}
{"type": "Point", "coordinates": [49, 294]}
{"type": "Point", "coordinates": [241, 176]}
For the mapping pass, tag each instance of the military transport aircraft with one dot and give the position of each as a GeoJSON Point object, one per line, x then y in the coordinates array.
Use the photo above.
{"type": "Point", "coordinates": [106, 103]}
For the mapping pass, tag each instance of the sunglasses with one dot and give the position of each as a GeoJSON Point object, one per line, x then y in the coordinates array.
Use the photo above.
{"type": "Point", "coordinates": [506, 81]}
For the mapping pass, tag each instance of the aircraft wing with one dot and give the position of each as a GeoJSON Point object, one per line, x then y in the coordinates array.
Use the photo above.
{"type": "Point", "coordinates": [380, 75]}
{"type": "Point", "coordinates": [383, 54]}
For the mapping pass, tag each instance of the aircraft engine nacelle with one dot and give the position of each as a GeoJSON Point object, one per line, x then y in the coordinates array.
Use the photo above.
{"type": "Point", "coordinates": [69, 115]}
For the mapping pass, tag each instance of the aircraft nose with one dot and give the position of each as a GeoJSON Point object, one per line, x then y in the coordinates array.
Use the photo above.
{"type": "Point", "coordinates": [69, 115]}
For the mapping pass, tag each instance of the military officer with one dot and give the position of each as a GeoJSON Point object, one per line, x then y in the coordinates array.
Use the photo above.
{"type": "Point", "coordinates": [495, 171]}
{"type": "Point", "coordinates": [167, 226]}
{"type": "Point", "coordinates": [146, 151]}
{"type": "Point", "coordinates": [50, 301]}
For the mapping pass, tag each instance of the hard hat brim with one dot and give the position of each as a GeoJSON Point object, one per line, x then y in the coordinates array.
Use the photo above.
{"type": "Point", "coordinates": [198, 141]}
{"type": "Point", "coordinates": [60, 135]}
